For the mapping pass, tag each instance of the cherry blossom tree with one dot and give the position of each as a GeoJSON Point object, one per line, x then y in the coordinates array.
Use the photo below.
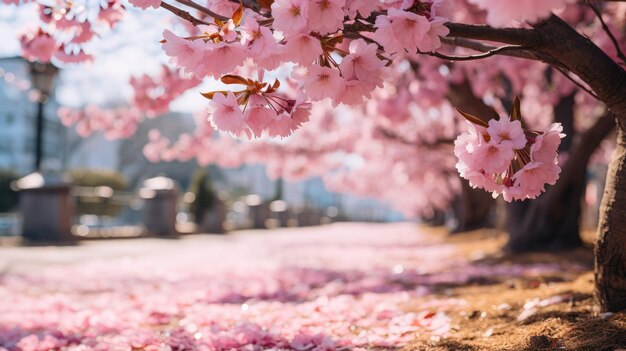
{"type": "Point", "coordinates": [349, 51]}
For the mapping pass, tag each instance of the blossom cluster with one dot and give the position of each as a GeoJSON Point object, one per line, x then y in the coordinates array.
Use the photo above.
{"type": "Point", "coordinates": [503, 158]}
{"type": "Point", "coordinates": [334, 57]}
{"type": "Point", "coordinates": [116, 123]}
{"type": "Point", "coordinates": [65, 27]}
{"type": "Point", "coordinates": [153, 94]}
{"type": "Point", "coordinates": [256, 109]}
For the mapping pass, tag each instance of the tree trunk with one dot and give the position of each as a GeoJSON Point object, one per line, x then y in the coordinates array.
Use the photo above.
{"type": "Point", "coordinates": [552, 222]}
{"type": "Point", "coordinates": [560, 45]}
{"type": "Point", "coordinates": [610, 251]}
{"type": "Point", "coordinates": [534, 226]}
{"type": "Point", "coordinates": [472, 210]}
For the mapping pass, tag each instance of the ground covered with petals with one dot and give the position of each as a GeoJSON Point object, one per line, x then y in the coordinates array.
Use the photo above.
{"type": "Point", "coordinates": [338, 287]}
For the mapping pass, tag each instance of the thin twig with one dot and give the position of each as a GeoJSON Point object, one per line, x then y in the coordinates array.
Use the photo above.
{"type": "Point", "coordinates": [486, 54]}
{"type": "Point", "coordinates": [253, 5]}
{"type": "Point", "coordinates": [183, 14]}
{"type": "Point", "coordinates": [528, 54]}
{"type": "Point", "coordinates": [606, 29]}
{"type": "Point", "coordinates": [584, 88]}
{"type": "Point", "coordinates": [202, 9]}
{"type": "Point", "coordinates": [391, 135]}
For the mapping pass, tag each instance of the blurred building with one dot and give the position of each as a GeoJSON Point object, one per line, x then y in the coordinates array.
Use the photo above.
{"type": "Point", "coordinates": [18, 109]}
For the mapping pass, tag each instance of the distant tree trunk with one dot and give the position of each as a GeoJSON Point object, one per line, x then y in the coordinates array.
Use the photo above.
{"type": "Point", "coordinates": [552, 222]}
{"type": "Point", "coordinates": [531, 224]}
{"type": "Point", "coordinates": [472, 209]}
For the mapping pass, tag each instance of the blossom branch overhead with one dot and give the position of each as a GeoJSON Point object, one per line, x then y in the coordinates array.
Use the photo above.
{"type": "Point", "coordinates": [335, 52]}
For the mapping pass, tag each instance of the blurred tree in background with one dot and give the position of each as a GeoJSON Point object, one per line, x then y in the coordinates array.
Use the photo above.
{"type": "Point", "coordinates": [204, 199]}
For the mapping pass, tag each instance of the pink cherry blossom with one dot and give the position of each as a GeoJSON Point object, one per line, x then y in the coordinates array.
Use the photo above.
{"type": "Point", "coordinates": [84, 33]}
{"type": "Point", "coordinates": [481, 180]}
{"type": "Point", "coordinates": [493, 158]}
{"type": "Point", "coordinates": [218, 59]}
{"type": "Point", "coordinates": [290, 16]}
{"type": "Point", "coordinates": [325, 16]}
{"type": "Point", "coordinates": [74, 57]}
{"type": "Point", "coordinates": [300, 113]}
{"type": "Point", "coordinates": [303, 49]}
{"type": "Point", "coordinates": [545, 147]}
{"type": "Point", "coordinates": [261, 45]}
{"type": "Point", "coordinates": [322, 82]}
{"type": "Point", "coordinates": [362, 7]}
{"type": "Point", "coordinates": [222, 7]}
{"type": "Point", "coordinates": [466, 143]}
{"type": "Point", "coordinates": [226, 114]}
{"type": "Point", "coordinates": [362, 63]}
{"type": "Point", "coordinates": [280, 126]}
{"type": "Point", "coordinates": [258, 118]}
{"type": "Point", "coordinates": [489, 165]}
{"type": "Point", "coordinates": [154, 94]}
{"type": "Point", "coordinates": [505, 131]}
{"type": "Point", "coordinates": [431, 40]}
{"type": "Point", "coordinates": [534, 175]}
{"type": "Point", "coordinates": [401, 30]}
{"type": "Point", "coordinates": [39, 46]}
{"type": "Point", "coordinates": [144, 4]}
{"type": "Point", "coordinates": [183, 53]}
{"type": "Point", "coordinates": [353, 93]}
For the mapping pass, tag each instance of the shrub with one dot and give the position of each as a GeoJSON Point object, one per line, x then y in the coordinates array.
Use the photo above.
{"type": "Point", "coordinates": [8, 196]}
{"type": "Point", "coordinates": [200, 185]}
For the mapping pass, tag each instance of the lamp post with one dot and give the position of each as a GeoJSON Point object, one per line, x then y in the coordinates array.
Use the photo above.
{"type": "Point", "coordinates": [43, 76]}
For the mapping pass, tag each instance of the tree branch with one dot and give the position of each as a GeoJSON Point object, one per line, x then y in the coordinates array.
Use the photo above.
{"type": "Point", "coordinates": [202, 9]}
{"type": "Point", "coordinates": [391, 135]}
{"type": "Point", "coordinates": [517, 36]}
{"type": "Point", "coordinates": [606, 29]}
{"type": "Point", "coordinates": [579, 55]}
{"type": "Point", "coordinates": [481, 47]}
{"type": "Point", "coordinates": [183, 14]}
{"type": "Point", "coordinates": [577, 83]}
{"type": "Point", "coordinates": [486, 54]}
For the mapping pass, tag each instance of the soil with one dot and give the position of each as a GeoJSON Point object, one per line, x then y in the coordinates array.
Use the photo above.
{"type": "Point", "coordinates": [494, 317]}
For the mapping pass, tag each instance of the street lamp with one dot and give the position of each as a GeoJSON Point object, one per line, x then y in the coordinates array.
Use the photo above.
{"type": "Point", "coordinates": [43, 76]}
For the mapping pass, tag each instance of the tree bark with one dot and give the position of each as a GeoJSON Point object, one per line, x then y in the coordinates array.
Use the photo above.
{"type": "Point", "coordinates": [608, 80]}
{"type": "Point", "coordinates": [472, 210]}
{"type": "Point", "coordinates": [552, 222]}
{"type": "Point", "coordinates": [610, 250]}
